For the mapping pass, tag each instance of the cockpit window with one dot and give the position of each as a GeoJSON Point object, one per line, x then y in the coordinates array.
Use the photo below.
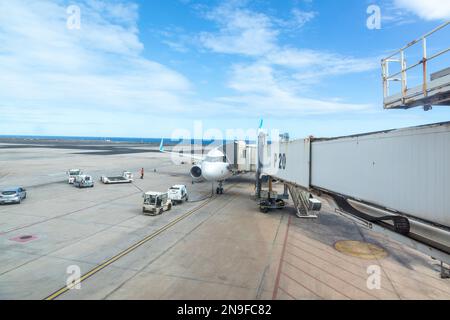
{"type": "Point", "coordinates": [214, 159]}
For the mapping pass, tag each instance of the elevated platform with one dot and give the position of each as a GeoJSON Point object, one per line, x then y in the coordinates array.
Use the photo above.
{"type": "Point", "coordinates": [434, 89]}
{"type": "Point", "coordinates": [436, 94]}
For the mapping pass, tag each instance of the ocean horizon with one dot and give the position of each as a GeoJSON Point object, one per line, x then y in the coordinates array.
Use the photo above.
{"type": "Point", "coordinates": [106, 139]}
{"type": "Point", "coordinates": [85, 138]}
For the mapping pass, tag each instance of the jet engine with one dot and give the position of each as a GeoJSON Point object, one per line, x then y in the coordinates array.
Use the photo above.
{"type": "Point", "coordinates": [196, 173]}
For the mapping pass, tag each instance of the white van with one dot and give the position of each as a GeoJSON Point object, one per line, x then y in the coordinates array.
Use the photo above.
{"type": "Point", "coordinates": [178, 194]}
{"type": "Point", "coordinates": [83, 181]}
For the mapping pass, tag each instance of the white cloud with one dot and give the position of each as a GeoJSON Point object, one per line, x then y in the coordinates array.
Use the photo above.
{"type": "Point", "coordinates": [50, 69]}
{"type": "Point", "coordinates": [241, 32]}
{"type": "Point", "coordinates": [70, 81]}
{"type": "Point", "coordinates": [278, 75]}
{"type": "Point", "coordinates": [303, 17]}
{"type": "Point", "coordinates": [426, 9]}
{"type": "Point", "coordinates": [266, 89]}
{"type": "Point", "coordinates": [319, 63]}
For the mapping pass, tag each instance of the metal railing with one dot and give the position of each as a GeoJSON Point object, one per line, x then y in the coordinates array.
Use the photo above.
{"type": "Point", "coordinates": [399, 57]}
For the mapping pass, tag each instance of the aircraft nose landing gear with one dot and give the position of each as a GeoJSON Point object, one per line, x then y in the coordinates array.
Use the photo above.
{"type": "Point", "coordinates": [219, 189]}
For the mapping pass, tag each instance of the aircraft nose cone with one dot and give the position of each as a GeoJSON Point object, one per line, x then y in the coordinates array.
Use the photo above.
{"type": "Point", "coordinates": [213, 171]}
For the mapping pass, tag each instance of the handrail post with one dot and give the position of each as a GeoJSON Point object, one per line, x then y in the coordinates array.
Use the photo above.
{"type": "Point", "coordinates": [385, 71]}
{"type": "Point", "coordinates": [424, 62]}
{"type": "Point", "coordinates": [403, 66]}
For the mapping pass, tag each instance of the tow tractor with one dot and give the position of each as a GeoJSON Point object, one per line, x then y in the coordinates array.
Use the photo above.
{"type": "Point", "coordinates": [126, 177]}
{"type": "Point", "coordinates": [271, 200]}
{"type": "Point", "coordinates": [72, 174]}
{"type": "Point", "coordinates": [155, 203]}
{"type": "Point", "coordinates": [304, 202]}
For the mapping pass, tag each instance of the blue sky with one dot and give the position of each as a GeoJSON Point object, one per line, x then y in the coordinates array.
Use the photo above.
{"type": "Point", "coordinates": [150, 68]}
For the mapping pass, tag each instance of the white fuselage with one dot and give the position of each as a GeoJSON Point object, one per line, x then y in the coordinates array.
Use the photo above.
{"type": "Point", "coordinates": [215, 171]}
{"type": "Point", "coordinates": [213, 167]}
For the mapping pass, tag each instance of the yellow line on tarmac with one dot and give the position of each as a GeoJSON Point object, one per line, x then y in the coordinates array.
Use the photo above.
{"type": "Point", "coordinates": [126, 251]}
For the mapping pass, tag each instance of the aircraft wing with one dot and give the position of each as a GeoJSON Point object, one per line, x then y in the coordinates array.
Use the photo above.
{"type": "Point", "coordinates": [178, 154]}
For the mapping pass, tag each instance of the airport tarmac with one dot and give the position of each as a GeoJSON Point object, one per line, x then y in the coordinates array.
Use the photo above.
{"type": "Point", "coordinates": [214, 247]}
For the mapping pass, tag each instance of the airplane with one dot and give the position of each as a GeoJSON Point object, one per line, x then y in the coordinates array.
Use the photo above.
{"type": "Point", "coordinates": [213, 167]}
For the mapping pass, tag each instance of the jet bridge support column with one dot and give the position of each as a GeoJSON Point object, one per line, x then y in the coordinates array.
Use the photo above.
{"type": "Point", "coordinates": [259, 163]}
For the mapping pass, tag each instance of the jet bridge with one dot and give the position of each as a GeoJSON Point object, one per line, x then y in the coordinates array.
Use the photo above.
{"type": "Point", "coordinates": [433, 89]}
{"type": "Point", "coordinates": [241, 156]}
{"type": "Point", "coordinates": [396, 179]}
